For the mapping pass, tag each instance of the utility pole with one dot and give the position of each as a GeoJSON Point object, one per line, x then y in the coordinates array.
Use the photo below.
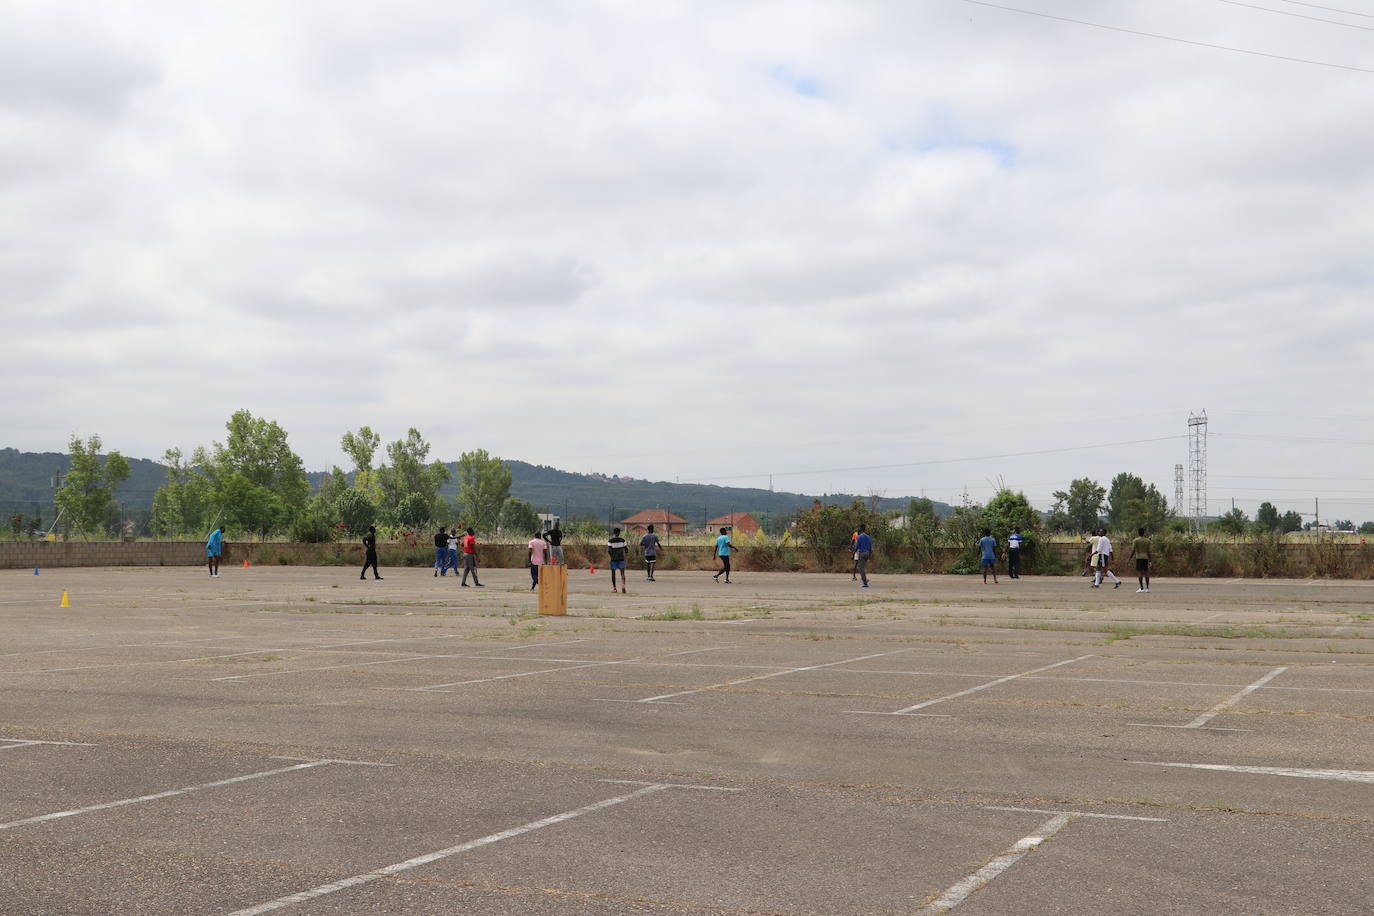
{"type": "Point", "coordinates": [1197, 466]}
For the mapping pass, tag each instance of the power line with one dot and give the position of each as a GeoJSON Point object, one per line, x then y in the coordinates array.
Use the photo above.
{"type": "Point", "coordinates": [915, 464]}
{"type": "Point", "coordinates": [1329, 9]}
{"type": "Point", "coordinates": [1186, 41]}
{"type": "Point", "coordinates": [1265, 9]}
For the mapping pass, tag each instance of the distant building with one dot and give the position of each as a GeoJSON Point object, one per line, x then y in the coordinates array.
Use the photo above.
{"type": "Point", "coordinates": [742, 522]}
{"type": "Point", "coordinates": [664, 522]}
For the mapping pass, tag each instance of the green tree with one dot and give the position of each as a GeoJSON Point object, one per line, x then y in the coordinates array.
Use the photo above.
{"type": "Point", "coordinates": [1267, 518]}
{"type": "Point", "coordinates": [183, 505]}
{"type": "Point", "coordinates": [248, 506]}
{"type": "Point", "coordinates": [1233, 523]}
{"type": "Point", "coordinates": [518, 517]}
{"type": "Point", "coordinates": [1007, 512]}
{"type": "Point", "coordinates": [87, 493]}
{"type": "Point", "coordinates": [1291, 521]}
{"type": "Point", "coordinates": [1344, 524]}
{"type": "Point", "coordinates": [483, 485]}
{"type": "Point", "coordinates": [409, 476]}
{"type": "Point", "coordinates": [828, 530]}
{"type": "Point", "coordinates": [313, 524]}
{"type": "Point", "coordinates": [356, 511]}
{"type": "Point", "coordinates": [1367, 528]}
{"type": "Point", "coordinates": [1131, 505]}
{"type": "Point", "coordinates": [334, 485]}
{"type": "Point", "coordinates": [361, 448]}
{"type": "Point", "coordinates": [256, 482]}
{"type": "Point", "coordinates": [1078, 509]}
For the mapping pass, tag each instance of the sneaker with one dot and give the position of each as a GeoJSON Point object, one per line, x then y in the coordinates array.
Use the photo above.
{"type": "Point", "coordinates": [1146, 590]}
{"type": "Point", "coordinates": [1094, 585]}
{"type": "Point", "coordinates": [479, 585]}
{"type": "Point", "coordinates": [1117, 585]}
{"type": "Point", "coordinates": [865, 585]}
{"type": "Point", "coordinates": [1139, 591]}
{"type": "Point", "coordinates": [377, 578]}
{"type": "Point", "coordinates": [465, 585]}
{"type": "Point", "coordinates": [622, 591]}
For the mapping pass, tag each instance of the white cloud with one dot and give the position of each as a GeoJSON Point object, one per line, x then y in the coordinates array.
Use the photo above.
{"type": "Point", "coordinates": [736, 238]}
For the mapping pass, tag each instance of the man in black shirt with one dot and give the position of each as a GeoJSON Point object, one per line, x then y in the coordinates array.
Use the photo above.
{"type": "Point", "coordinates": [440, 550]}
{"type": "Point", "coordinates": [618, 548]}
{"type": "Point", "coordinates": [370, 557]}
{"type": "Point", "coordinates": [555, 538]}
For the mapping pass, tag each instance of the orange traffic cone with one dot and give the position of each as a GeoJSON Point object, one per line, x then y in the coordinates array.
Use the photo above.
{"type": "Point", "coordinates": [64, 602]}
{"type": "Point", "coordinates": [245, 564]}
{"type": "Point", "coordinates": [591, 570]}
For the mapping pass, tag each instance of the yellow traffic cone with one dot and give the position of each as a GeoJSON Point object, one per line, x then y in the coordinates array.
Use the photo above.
{"type": "Point", "coordinates": [65, 601]}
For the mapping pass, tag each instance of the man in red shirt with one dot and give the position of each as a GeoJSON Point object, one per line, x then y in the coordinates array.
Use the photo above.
{"type": "Point", "coordinates": [470, 559]}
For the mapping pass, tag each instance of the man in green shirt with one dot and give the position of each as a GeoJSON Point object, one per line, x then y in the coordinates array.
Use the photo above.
{"type": "Point", "coordinates": [1140, 549]}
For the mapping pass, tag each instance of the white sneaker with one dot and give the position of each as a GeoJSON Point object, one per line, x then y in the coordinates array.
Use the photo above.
{"type": "Point", "coordinates": [1139, 590]}
{"type": "Point", "coordinates": [1144, 589]}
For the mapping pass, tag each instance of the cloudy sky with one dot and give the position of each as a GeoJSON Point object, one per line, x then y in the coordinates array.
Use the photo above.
{"type": "Point", "coordinates": [903, 247]}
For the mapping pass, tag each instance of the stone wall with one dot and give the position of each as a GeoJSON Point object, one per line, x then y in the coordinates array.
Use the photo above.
{"type": "Point", "coordinates": [28, 554]}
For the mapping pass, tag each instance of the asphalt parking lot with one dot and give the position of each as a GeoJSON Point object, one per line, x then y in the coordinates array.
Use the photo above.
{"type": "Point", "coordinates": [288, 739]}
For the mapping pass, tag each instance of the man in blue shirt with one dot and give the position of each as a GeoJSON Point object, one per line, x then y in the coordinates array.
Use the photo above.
{"type": "Point", "coordinates": [863, 549]}
{"type": "Point", "coordinates": [214, 549]}
{"type": "Point", "coordinates": [723, 546]}
{"type": "Point", "coordinates": [1014, 555]}
{"type": "Point", "coordinates": [988, 545]}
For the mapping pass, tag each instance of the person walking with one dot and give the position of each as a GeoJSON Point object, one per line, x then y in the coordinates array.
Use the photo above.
{"type": "Point", "coordinates": [988, 561]}
{"type": "Point", "coordinates": [854, 549]}
{"type": "Point", "coordinates": [618, 548]}
{"type": "Point", "coordinates": [538, 548]}
{"type": "Point", "coordinates": [1140, 552]}
{"type": "Point", "coordinates": [555, 538]}
{"type": "Point", "coordinates": [723, 546]}
{"type": "Point", "coordinates": [863, 549]}
{"type": "Point", "coordinates": [650, 545]}
{"type": "Point", "coordinates": [1104, 560]}
{"type": "Point", "coordinates": [370, 553]}
{"type": "Point", "coordinates": [440, 550]}
{"type": "Point", "coordinates": [1014, 554]}
{"type": "Point", "coordinates": [470, 559]}
{"type": "Point", "coordinates": [214, 549]}
{"type": "Point", "coordinates": [451, 556]}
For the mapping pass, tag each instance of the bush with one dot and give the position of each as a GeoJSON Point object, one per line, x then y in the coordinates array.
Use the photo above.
{"type": "Point", "coordinates": [312, 525]}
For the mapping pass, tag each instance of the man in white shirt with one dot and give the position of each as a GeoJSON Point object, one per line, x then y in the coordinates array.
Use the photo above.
{"type": "Point", "coordinates": [1104, 560]}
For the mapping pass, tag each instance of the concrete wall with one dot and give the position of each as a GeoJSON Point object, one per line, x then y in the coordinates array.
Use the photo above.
{"type": "Point", "coordinates": [26, 555]}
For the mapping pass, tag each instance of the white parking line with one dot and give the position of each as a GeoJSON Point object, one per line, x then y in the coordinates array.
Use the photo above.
{"type": "Point", "coordinates": [417, 861]}
{"type": "Point", "coordinates": [760, 677]}
{"type": "Point", "coordinates": [439, 688]}
{"type": "Point", "coordinates": [1108, 817]}
{"type": "Point", "coordinates": [980, 879]}
{"type": "Point", "coordinates": [910, 710]}
{"type": "Point", "coordinates": [1202, 720]}
{"type": "Point", "coordinates": [29, 742]}
{"type": "Point", "coordinates": [1340, 775]}
{"type": "Point", "coordinates": [168, 794]}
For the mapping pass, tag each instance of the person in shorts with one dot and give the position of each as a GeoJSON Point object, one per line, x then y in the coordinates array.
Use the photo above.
{"type": "Point", "coordinates": [650, 545]}
{"type": "Point", "coordinates": [723, 547]}
{"type": "Point", "coordinates": [538, 554]}
{"type": "Point", "coordinates": [214, 549]}
{"type": "Point", "coordinates": [987, 545]}
{"type": "Point", "coordinates": [1140, 552]}
{"type": "Point", "coordinates": [1103, 563]}
{"type": "Point", "coordinates": [618, 549]}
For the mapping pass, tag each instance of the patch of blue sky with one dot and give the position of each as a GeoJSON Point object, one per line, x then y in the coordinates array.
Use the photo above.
{"type": "Point", "coordinates": [942, 131]}
{"type": "Point", "coordinates": [794, 80]}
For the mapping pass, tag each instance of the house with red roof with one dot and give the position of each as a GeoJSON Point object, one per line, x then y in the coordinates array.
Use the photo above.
{"type": "Point", "coordinates": [742, 522]}
{"type": "Point", "coordinates": [664, 522]}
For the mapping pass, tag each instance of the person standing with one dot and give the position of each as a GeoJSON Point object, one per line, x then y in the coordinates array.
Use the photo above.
{"type": "Point", "coordinates": [863, 549]}
{"type": "Point", "coordinates": [214, 549]}
{"type": "Point", "coordinates": [854, 549]}
{"type": "Point", "coordinates": [988, 545]}
{"type": "Point", "coordinates": [440, 550]}
{"type": "Point", "coordinates": [650, 545]}
{"type": "Point", "coordinates": [1014, 554]}
{"type": "Point", "coordinates": [538, 554]}
{"type": "Point", "coordinates": [370, 553]}
{"type": "Point", "coordinates": [470, 559]}
{"type": "Point", "coordinates": [1140, 552]}
{"type": "Point", "coordinates": [723, 547]}
{"type": "Point", "coordinates": [451, 557]}
{"type": "Point", "coordinates": [1104, 560]}
{"type": "Point", "coordinates": [555, 538]}
{"type": "Point", "coordinates": [618, 549]}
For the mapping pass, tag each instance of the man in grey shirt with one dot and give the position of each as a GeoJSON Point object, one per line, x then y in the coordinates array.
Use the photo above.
{"type": "Point", "coordinates": [650, 545]}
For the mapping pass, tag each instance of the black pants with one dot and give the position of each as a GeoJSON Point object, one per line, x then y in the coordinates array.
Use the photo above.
{"type": "Point", "coordinates": [725, 568]}
{"type": "Point", "coordinates": [369, 560]}
{"type": "Point", "coordinates": [1014, 563]}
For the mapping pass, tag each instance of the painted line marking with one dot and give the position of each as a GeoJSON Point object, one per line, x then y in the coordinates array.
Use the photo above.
{"type": "Point", "coordinates": [1210, 617]}
{"type": "Point", "coordinates": [29, 742]}
{"type": "Point", "coordinates": [158, 795]}
{"type": "Point", "coordinates": [1110, 817]}
{"type": "Point", "coordinates": [669, 785]}
{"type": "Point", "coordinates": [760, 677]}
{"type": "Point", "coordinates": [983, 876]}
{"type": "Point", "coordinates": [1202, 720]}
{"type": "Point", "coordinates": [1340, 775]}
{"type": "Point", "coordinates": [963, 693]}
{"type": "Point", "coordinates": [352, 763]}
{"type": "Point", "coordinates": [385, 661]}
{"type": "Point", "coordinates": [131, 645]}
{"type": "Point", "coordinates": [417, 861]}
{"type": "Point", "coordinates": [438, 688]}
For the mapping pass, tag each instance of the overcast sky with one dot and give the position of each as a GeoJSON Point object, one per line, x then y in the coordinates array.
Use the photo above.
{"type": "Point", "coordinates": [705, 240]}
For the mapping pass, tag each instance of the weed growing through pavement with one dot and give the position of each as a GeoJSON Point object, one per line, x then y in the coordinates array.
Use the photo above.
{"type": "Point", "coordinates": [676, 613]}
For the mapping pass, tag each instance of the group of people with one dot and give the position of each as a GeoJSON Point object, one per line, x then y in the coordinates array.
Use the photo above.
{"type": "Point", "coordinates": [1100, 559]}
{"type": "Point", "coordinates": [446, 546]}
{"type": "Point", "coordinates": [546, 547]}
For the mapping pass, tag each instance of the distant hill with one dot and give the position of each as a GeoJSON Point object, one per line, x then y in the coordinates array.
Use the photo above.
{"type": "Point", "coordinates": [26, 486]}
